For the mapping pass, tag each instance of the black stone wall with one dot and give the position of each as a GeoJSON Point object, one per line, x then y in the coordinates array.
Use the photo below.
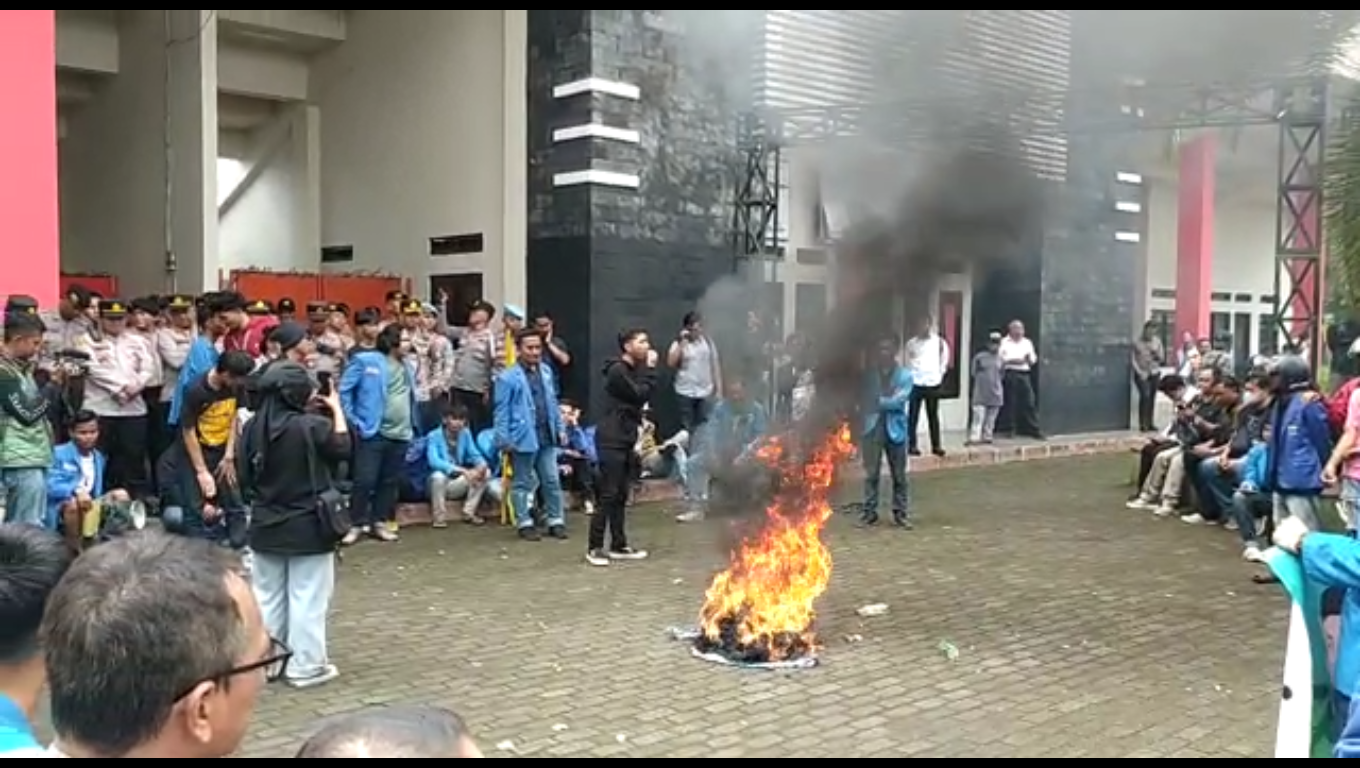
{"type": "Point", "coordinates": [1088, 281]}
{"type": "Point", "coordinates": [605, 258]}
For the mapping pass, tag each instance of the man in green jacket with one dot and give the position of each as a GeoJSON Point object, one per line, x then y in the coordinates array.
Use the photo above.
{"type": "Point", "coordinates": [25, 434]}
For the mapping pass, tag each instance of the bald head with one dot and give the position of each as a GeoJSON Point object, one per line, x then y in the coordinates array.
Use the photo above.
{"type": "Point", "coordinates": [394, 732]}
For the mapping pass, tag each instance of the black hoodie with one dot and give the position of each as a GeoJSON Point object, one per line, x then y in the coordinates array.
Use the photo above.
{"type": "Point", "coordinates": [627, 388]}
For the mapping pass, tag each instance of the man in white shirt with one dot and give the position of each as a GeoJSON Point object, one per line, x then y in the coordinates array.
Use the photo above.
{"type": "Point", "coordinates": [928, 359]}
{"type": "Point", "coordinates": [1020, 413]}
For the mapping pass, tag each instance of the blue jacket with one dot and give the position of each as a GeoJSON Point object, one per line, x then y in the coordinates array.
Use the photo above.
{"type": "Point", "coordinates": [64, 478]}
{"type": "Point", "coordinates": [733, 429]}
{"type": "Point", "coordinates": [1333, 560]}
{"type": "Point", "coordinates": [1300, 444]}
{"type": "Point", "coordinates": [202, 358]}
{"type": "Point", "coordinates": [16, 733]}
{"type": "Point", "coordinates": [363, 392]}
{"type": "Point", "coordinates": [1254, 466]}
{"type": "Point", "coordinates": [452, 463]}
{"type": "Point", "coordinates": [514, 416]}
{"type": "Point", "coordinates": [892, 407]}
{"type": "Point", "coordinates": [486, 446]}
{"type": "Point", "coordinates": [582, 440]}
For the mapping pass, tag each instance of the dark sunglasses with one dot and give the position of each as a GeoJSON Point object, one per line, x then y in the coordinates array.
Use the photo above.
{"type": "Point", "coordinates": [274, 664]}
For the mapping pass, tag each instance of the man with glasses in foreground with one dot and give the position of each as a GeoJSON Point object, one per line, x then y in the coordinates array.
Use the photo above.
{"type": "Point", "coordinates": [155, 648]}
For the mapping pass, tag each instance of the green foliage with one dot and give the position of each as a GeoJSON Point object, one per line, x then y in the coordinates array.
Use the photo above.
{"type": "Point", "coordinates": [1341, 211]}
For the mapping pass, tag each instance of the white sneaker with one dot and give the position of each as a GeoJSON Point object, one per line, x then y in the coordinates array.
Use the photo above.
{"type": "Point", "coordinates": [1193, 519]}
{"type": "Point", "coordinates": [1141, 503]}
{"type": "Point", "coordinates": [1253, 554]}
{"type": "Point", "coordinates": [1164, 511]}
{"type": "Point", "coordinates": [329, 673]}
{"type": "Point", "coordinates": [588, 507]}
{"type": "Point", "coordinates": [1231, 525]}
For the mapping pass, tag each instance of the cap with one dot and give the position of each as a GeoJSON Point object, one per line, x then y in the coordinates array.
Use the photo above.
{"type": "Point", "coordinates": [994, 336]}
{"type": "Point", "coordinates": [318, 309]}
{"type": "Point", "coordinates": [340, 307]}
{"type": "Point", "coordinates": [412, 307]}
{"type": "Point", "coordinates": [149, 305]}
{"type": "Point", "coordinates": [429, 309]}
{"type": "Point", "coordinates": [396, 296]}
{"type": "Point", "coordinates": [288, 335]}
{"type": "Point", "coordinates": [20, 304]}
{"type": "Point", "coordinates": [180, 303]}
{"type": "Point", "coordinates": [259, 307]}
{"type": "Point", "coordinates": [113, 309]}
{"type": "Point", "coordinates": [287, 306]}
{"type": "Point", "coordinates": [482, 305]}
{"type": "Point", "coordinates": [515, 311]}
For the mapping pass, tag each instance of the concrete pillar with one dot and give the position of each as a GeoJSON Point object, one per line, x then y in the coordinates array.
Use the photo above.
{"type": "Point", "coordinates": [305, 175]}
{"type": "Point", "coordinates": [28, 186]}
{"type": "Point", "coordinates": [1195, 236]}
{"type": "Point", "coordinates": [139, 161]}
{"type": "Point", "coordinates": [191, 124]}
{"type": "Point", "coordinates": [515, 157]}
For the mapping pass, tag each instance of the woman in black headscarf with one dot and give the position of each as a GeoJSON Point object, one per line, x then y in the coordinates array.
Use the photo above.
{"type": "Point", "coordinates": [287, 457]}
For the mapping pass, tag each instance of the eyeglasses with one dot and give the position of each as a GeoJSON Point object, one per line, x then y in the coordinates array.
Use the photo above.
{"type": "Point", "coordinates": [273, 664]}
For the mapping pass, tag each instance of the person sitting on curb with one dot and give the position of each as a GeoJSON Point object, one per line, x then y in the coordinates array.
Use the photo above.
{"type": "Point", "coordinates": [457, 470]}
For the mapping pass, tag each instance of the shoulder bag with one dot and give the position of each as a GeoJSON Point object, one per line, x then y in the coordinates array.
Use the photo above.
{"type": "Point", "coordinates": [332, 506]}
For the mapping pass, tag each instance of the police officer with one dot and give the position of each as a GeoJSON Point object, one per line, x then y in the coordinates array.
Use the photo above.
{"type": "Point", "coordinates": [121, 367]}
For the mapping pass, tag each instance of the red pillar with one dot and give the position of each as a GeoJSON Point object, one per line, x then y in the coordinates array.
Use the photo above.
{"type": "Point", "coordinates": [1195, 236]}
{"type": "Point", "coordinates": [28, 155]}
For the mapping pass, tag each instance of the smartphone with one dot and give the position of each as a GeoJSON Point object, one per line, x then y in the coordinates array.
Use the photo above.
{"type": "Point", "coordinates": [324, 382]}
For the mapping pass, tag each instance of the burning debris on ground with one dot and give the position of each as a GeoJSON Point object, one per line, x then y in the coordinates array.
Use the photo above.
{"type": "Point", "coordinates": [760, 610]}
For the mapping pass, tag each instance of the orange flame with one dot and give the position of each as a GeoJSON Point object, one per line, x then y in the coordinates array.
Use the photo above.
{"type": "Point", "coordinates": [765, 598]}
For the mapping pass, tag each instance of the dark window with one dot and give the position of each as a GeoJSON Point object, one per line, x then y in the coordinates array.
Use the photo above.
{"type": "Point", "coordinates": [457, 245]}
{"type": "Point", "coordinates": [337, 254]}
{"type": "Point", "coordinates": [462, 289]}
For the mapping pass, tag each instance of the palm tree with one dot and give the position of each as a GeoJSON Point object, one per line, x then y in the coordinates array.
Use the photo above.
{"type": "Point", "coordinates": [1341, 195]}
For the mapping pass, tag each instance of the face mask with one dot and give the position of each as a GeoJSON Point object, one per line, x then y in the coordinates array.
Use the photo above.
{"type": "Point", "coordinates": [1250, 397]}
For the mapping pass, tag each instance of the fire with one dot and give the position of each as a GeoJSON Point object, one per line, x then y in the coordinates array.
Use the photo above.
{"type": "Point", "coordinates": [761, 608]}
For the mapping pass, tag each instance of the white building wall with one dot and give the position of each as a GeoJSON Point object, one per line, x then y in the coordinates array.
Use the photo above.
{"type": "Point", "coordinates": [137, 168]}
{"type": "Point", "coordinates": [270, 216]}
{"type": "Point", "coordinates": [424, 120]}
{"type": "Point", "coordinates": [1244, 255]}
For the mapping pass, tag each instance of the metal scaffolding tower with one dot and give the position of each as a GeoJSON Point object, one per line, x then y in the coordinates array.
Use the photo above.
{"type": "Point", "coordinates": [1298, 105]}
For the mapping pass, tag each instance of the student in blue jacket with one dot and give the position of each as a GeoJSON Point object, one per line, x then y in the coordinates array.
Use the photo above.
{"type": "Point", "coordinates": [457, 470]}
{"type": "Point", "coordinates": [378, 396]}
{"type": "Point", "coordinates": [884, 433]}
{"type": "Point", "coordinates": [1251, 500]}
{"type": "Point", "coordinates": [1300, 443]}
{"type": "Point", "coordinates": [75, 484]}
{"type": "Point", "coordinates": [529, 427]}
{"type": "Point", "coordinates": [32, 561]}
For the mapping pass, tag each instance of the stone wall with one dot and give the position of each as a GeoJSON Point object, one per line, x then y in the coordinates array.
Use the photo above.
{"type": "Point", "coordinates": [640, 227]}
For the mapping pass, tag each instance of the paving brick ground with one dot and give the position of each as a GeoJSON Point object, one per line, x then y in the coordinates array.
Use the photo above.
{"type": "Point", "coordinates": [1082, 629]}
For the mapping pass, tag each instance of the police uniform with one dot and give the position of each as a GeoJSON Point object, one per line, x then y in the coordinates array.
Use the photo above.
{"type": "Point", "coordinates": [330, 354]}
{"type": "Point", "coordinates": [259, 308]}
{"type": "Point", "coordinates": [287, 308]}
{"type": "Point", "coordinates": [433, 353]}
{"type": "Point", "coordinates": [121, 366]}
{"type": "Point", "coordinates": [173, 341]}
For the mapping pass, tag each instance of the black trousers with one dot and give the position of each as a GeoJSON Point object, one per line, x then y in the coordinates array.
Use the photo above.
{"type": "Point", "coordinates": [581, 479]}
{"type": "Point", "coordinates": [159, 435]}
{"type": "Point", "coordinates": [476, 403]}
{"type": "Point", "coordinates": [693, 412]}
{"type": "Point", "coordinates": [930, 398]}
{"type": "Point", "coordinates": [1146, 455]}
{"type": "Point", "coordinates": [1020, 413]}
{"type": "Point", "coordinates": [1147, 401]}
{"type": "Point", "coordinates": [617, 469]}
{"type": "Point", "coordinates": [123, 440]}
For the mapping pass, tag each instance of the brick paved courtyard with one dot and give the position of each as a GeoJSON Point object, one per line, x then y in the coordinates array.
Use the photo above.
{"type": "Point", "coordinates": [1082, 629]}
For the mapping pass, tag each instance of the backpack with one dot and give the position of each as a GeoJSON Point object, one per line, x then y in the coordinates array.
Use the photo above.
{"type": "Point", "coordinates": [1338, 405]}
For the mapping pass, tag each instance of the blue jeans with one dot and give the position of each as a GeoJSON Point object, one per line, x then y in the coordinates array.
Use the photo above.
{"type": "Point", "coordinates": [1246, 508]}
{"type": "Point", "coordinates": [536, 471]}
{"type": "Point", "coordinates": [873, 449]}
{"type": "Point", "coordinates": [295, 593]}
{"type": "Point", "coordinates": [25, 495]}
{"type": "Point", "coordinates": [1214, 486]}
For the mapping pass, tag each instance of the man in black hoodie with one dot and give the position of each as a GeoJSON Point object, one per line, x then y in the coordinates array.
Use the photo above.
{"type": "Point", "coordinates": [628, 384]}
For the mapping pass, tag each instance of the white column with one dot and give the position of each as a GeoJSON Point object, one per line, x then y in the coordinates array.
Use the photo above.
{"type": "Point", "coordinates": [305, 176]}
{"type": "Point", "coordinates": [191, 127]}
{"type": "Point", "coordinates": [514, 159]}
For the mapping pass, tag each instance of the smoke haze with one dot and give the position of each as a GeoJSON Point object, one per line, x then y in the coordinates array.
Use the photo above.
{"type": "Point", "coordinates": [950, 187]}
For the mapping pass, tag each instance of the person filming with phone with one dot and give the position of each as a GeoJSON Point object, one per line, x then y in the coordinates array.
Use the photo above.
{"type": "Point", "coordinates": [288, 453]}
